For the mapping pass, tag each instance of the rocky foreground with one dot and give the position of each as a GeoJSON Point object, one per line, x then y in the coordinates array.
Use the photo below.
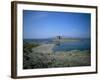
{"type": "Point", "coordinates": [43, 56]}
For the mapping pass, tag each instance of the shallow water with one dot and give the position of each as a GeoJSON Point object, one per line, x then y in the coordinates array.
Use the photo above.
{"type": "Point", "coordinates": [74, 45]}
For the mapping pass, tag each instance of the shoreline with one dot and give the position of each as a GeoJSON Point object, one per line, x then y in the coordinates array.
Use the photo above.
{"type": "Point", "coordinates": [43, 56]}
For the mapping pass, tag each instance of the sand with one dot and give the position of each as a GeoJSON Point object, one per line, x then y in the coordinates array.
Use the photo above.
{"type": "Point", "coordinates": [44, 48]}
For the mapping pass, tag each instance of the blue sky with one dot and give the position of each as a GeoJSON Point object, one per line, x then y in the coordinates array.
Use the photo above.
{"type": "Point", "coordinates": [47, 24]}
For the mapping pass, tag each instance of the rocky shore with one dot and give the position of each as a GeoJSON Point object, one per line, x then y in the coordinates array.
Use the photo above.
{"type": "Point", "coordinates": [43, 56]}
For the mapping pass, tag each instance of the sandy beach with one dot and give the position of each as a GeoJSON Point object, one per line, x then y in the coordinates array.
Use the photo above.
{"type": "Point", "coordinates": [44, 48]}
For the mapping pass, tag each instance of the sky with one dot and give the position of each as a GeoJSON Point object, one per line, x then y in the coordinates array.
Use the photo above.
{"type": "Point", "coordinates": [48, 24]}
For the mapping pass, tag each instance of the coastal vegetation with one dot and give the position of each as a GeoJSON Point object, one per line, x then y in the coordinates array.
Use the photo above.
{"type": "Point", "coordinates": [42, 56]}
